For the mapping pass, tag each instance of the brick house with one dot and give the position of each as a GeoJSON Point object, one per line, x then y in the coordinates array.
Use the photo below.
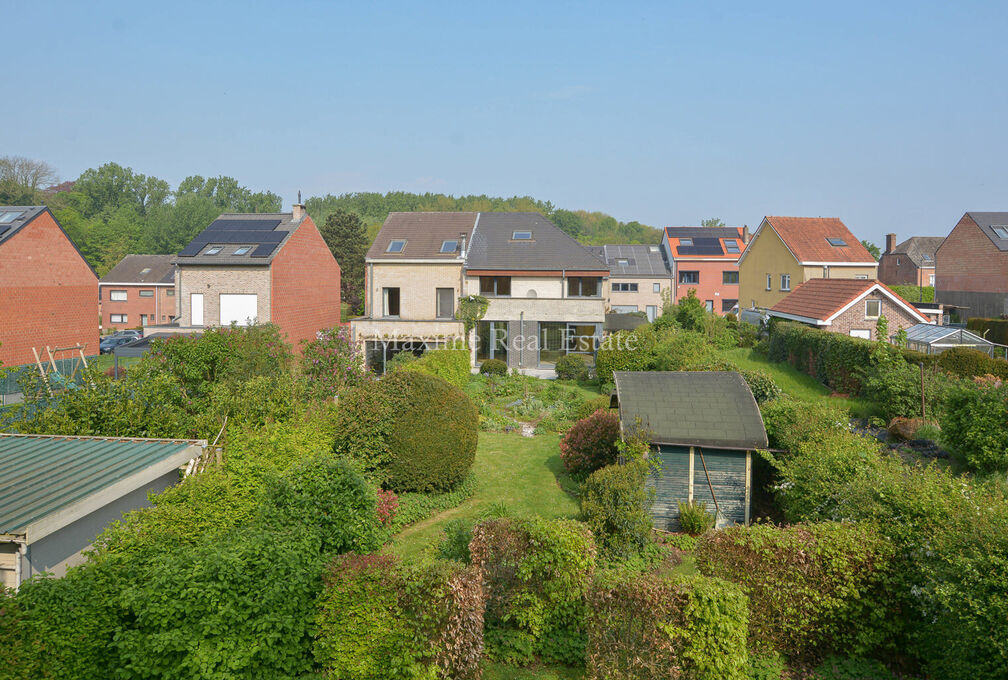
{"type": "Point", "coordinates": [848, 306]}
{"type": "Point", "coordinates": [787, 251]}
{"type": "Point", "coordinates": [911, 263]}
{"type": "Point", "coordinates": [638, 277]}
{"type": "Point", "coordinates": [263, 267]}
{"type": "Point", "coordinates": [971, 265]}
{"type": "Point", "coordinates": [139, 291]}
{"type": "Point", "coordinates": [706, 259]}
{"type": "Point", "coordinates": [48, 292]}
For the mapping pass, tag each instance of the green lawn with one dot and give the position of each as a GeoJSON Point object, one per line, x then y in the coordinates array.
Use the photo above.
{"type": "Point", "coordinates": [523, 473]}
{"type": "Point", "coordinates": [496, 671]}
{"type": "Point", "coordinates": [795, 383]}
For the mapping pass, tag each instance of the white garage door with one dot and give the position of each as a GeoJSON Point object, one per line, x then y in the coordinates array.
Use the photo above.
{"type": "Point", "coordinates": [241, 309]}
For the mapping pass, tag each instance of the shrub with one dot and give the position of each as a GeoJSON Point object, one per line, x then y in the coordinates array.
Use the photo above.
{"type": "Point", "coordinates": [844, 668]}
{"type": "Point", "coordinates": [432, 437]}
{"type": "Point", "coordinates": [494, 367]}
{"type": "Point", "coordinates": [684, 351]}
{"type": "Point", "coordinates": [536, 572]}
{"type": "Point", "coordinates": [451, 365]}
{"type": "Point", "coordinates": [414, 507]}
{"type": "Point", "coordinates": [681, 542]}
{"type": "Point", "coordinates": [379, 618]}
{"type": "Point", "coordinates": [766, 666]}
{"type": "Point", "coordinates": [625, 351]}
{"type": "Point", "coordinates": [812, 588]}
{"type": "Point", "coordinates": [571, 367]}
{"type": "Point", "coordinates": [762, 385]}
{"type": "Point", "coordinates": [749, 335]}
{"type": "Point", "coordinates": [364, 421]}
{"type": "Point", "coordinates": [645, 626]}
{"type": "Point", "coordinates": [694, 518]}
{"type": "Point", "coordinates": [895, 385]}
{"type": "Point", "coordinates": [455, 544]}
{"type": "Point", "coordinates": [790, 422]}
{"type": "Point", "coordinates": [975, 424]}
{"type": "Point", "coordinates": [590, 406]}
{"type": "Point", "coordinates": [388, 506]}
{"type": "Point", "coordinates": [966, 362]}
{"type": "Point", "coordinates": [690, 312]}
{"type": "Point", "coordinates": [333, 362]}
{"type": "Point", "coordinates": [615, 505]}
{"type": "Point", "coordinates": [995, 330]}
{"type": "Point", "coordinates": [591, 443]}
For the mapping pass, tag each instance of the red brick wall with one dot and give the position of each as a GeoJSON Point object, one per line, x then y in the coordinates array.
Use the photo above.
{"type": "Point", "coordinates": [48, 293]}
{"type": "Point", "coordinates": [711, 285]}
{"type": "Point", "coordinates": [854, 318]}
{"type": "Point", "coordinates": [969, 261]}
{"type": "Point", "coordinates": [305, 285]}
{"type": "Point", "coordinates": [159, 308]}
{"type": "Point", "coordinates": [903, 273]}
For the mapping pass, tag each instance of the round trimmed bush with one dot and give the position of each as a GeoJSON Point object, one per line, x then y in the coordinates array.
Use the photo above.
{"type": "Point", "coordinates": [494, 367]}
{"type": "Point", "coordinates": [571, 367]}
{"type": "Point", "coordinates": [591, 443]}
{"type": "Point", "coordinates": [964, 362]}
{"type": "Point", "coordinates": [432, 433]}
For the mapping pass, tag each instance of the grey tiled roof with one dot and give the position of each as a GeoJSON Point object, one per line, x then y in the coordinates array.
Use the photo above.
{"type": "Point", "coordinates": [919, 249]}
{"type": "Point", "coordinates": [279, 227]}
{"type": "Point", "coordinates": [25, 214]}
{"type": "Point", "coordinates": [691, 408]}
{"type": "Point", "coordinates": [424, 233]}
{"type": "Point", "coordinates": [549, 250]}
{"type": "Point", "coordinates": [142, 269]}
{"type": "Point", "coordinates": [641, 260]}
{"type": "Point", "coordinates": [986, 220]}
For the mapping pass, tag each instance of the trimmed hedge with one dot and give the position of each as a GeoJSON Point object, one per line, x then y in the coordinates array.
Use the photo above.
{"type": "Point", "coordinates": [813, 589]}
{"type": "Point", "coordinates": [997, 329]}
{"type": "Point", "coordinates": [643, 626]}
{"type": "Point", "coordinates": [495, 367]}
{"type": "Point", "coordinates": [615, 504]}
{"type": "Point", "coordinates": [591, 443]}
{"type": "Point", "coordinates": [966, 362]}
{"type": "Point", "coordinates": [379, 618]}
{"type": "Point", "coordinates": [536, 572]}
{"type": "Point", "coordinates": [451, 365]}
{"type": "Point", "coordinates": [976, 416]}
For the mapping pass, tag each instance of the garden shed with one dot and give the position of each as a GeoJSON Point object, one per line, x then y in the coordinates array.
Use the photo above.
{"type": "Point", "coordinates": [931, 339]}
{"type": "Point", "coordinates": [703, 426]}
{"type": "Point", "coordinates": [58, 492]}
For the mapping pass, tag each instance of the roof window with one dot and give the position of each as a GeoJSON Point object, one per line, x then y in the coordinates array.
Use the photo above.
{"type": "Point", "coordinates": [653, 249]}
{"type": "Point", "coordinates": [623, 262]}
{"type": "Point", "coordinates": [396, 246]}
{"type": "Point", "coordinates": [836, 242]}
{"type": "Point", "coordinates": [242, 250]}
{"type": "Point", "coordinates": [1001, 230]}
{"type": "Point", "coordinates": [449, 246]}
{"type": "Point", "coordinates": [731, 245]}
{"type": "Point", "coordinates": [521, 236]}
{"type": "Point", "coordinates": [213, 251]}
{"type": "Point", "coordinates": [927, 258]}
{"type": "Point", "coordinates": [7, 217]}
{"type": "Point", "coordinates": [145, 270]}
{"type": "Point", "coordinates": [686, 242]}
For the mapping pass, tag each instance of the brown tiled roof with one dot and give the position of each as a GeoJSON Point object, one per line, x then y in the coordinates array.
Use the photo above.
{"type": "Point", "coordinates": [131, 269]}
{"type": "Point", "coordinates": [920, 249]}
{"type": "Point", "coordinates": [822, 298]}
{"type": "Point", "coordinates": [806, 238]}
{"type": "Point", "coordinates": [424, 232]}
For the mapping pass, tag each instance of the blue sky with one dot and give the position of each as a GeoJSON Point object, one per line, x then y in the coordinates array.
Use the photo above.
{"type": "Point", "coordinates": [891, 116]}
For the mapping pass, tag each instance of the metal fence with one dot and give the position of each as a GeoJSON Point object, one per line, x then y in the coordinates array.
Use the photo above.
{"type": "Point", "coordinates": [9, 375]}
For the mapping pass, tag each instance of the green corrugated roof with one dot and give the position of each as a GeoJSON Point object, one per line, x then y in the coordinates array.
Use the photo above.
{"type": "Point", "coordinates": [701, 408]}
{"type": "Point", "coordinates": [40, 475]}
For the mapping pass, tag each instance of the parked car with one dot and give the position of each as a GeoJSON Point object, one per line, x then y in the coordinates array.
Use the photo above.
{"type": "Point", "coordinates": [130, 331]}
{"type": "Point", "coordinates": [111, 342]}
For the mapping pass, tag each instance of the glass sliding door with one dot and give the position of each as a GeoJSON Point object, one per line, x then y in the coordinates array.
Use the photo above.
{"type": "Point", "coordinates": [552, 344]}
{"type": "Point", "coordinates": [491, 340]}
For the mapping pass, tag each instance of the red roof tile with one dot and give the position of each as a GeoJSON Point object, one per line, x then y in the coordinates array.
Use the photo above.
{"type": "Point", "coordinates": [822, 298]}
{"type": "Point", "coordinates": [807, 239]}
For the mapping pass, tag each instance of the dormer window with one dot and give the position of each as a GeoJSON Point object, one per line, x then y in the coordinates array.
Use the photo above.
{"type": "Point", "coordinates": [731, 245]}
{"type": "Point", "coordinates": [242, 250]}
{"type": "Point", "coordinates": [449, 246]}
{"type": "Point", "coordinates": [213, 251]}
{"type": "Point", "coordinates": [1000, 230]}
{"type": "Point", "coordinates": [686, 242]}
{"type": "Point", "coordinates": [396, 246]}
{"type": "Point", "coordinates": [521, 236]}
{"type": "Point", "coordinates": [836, 242]}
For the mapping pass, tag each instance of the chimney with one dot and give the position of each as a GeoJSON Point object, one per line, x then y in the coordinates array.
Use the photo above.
{"type": "Point", "coordinates": [462, 245]}
{"type": "Point", "coordinates": [890, 242]}
{"type": "Point", "coordinates": [298, 209]}
{"type": "Point", "coordinates": [745, 234]}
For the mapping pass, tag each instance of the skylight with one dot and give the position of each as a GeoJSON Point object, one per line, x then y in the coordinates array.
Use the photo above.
{"type": "Point", "coordinates": [654, 249]}
{"type": "Point", "coordinates": [396, 246]}
{"type": "Point", "coordinates": [521, 236]}
{"type": "Point", "coordinates": [731, 245]}
{"type": "Point", "coordinates": [927, 258]}
{"type": "Point", "coordinates": [449, 246]}
{"type": "Point", "coordinates": [836, 242]}
{"type": "Point", "coordinates": [145, 270]}
{"type": "Point", "coordinates": [623, 262]}
{"type": "Point", "coordinates": [213, 251]}
{"type": "Point", "coordinates": [242, 250]}
{"type": "Point", "coordinates": [1000, 230]}
{"type": "Point", "coordinates": [686, 242]}
{"type": "Point", "coordinates": [7, 217]}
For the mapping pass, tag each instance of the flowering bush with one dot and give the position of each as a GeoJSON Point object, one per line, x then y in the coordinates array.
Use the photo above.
{"type": "Point", "coordinates": [388, 506]}
{"type": "Point", "coordinates": [332, 362]}
{"type": "Point", "coordinates": [591, 443]}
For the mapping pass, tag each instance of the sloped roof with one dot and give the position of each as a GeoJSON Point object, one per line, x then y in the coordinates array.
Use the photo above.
{"type": "Point", "coordinates": [806, 238]}
{"type": "Point", "coordinates": [987, 221]}
{"type": "Point", "coordinates": [13, 217]}
{"type": "Point", "coordinates": [264, 234]}
{"type": "Point", "coordinates": [691, 408]}
{"type": "Point", "coordinates": [823, 299]}
{"type": "Point", "coordinates": [142, 269]}
{"type": "Point", "coordinates": [550, 249]}
{"type": "Point", "coordinates": [635, 260]}
{"type": "Point", "coordinates": [424, 232]}
{"type": "Point", "coordinates": [932, 334]}
{"type": "Point", "coordinates": [705, 242]}
{"type": "Point", "coordinates": [41, 475]}
{"type": "Point", "coordinates": [920, 249]}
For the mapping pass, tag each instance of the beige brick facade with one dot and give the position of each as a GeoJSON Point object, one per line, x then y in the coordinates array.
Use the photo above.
{"type": "Point", "coordinates": [211, 282]}
{"type": "Point", "coordinates": [417, 283]}
{"type": "Point", "coordinates": [644, 297]}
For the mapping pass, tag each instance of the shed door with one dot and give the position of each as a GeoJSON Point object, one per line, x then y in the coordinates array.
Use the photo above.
{"type": "Point", "coordinates": [196, 309]}
{"type": "Point", "coordinates": [239, 309]}
{"type": "Point", "coordinates": [671, 485]}
{"type": "Point", "coordinates": [729, 475]}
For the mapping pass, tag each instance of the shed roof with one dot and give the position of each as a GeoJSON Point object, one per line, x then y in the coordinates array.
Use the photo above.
{"type": "Point", "coordinates": [550, 248]}
{"type": "Point", "coordinates": [45, 475]}
{"type": "Point", "coordinates": [635, 260]}
{"type": "Point", "coordinates": [691, 408]}
{"type": "Point", "coordinates": [262, 234]}
{"type": "Point", "coordinates": [142, 269]}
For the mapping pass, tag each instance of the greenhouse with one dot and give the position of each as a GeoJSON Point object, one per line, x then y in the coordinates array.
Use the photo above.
{"type": "Point", "coordinates": [931, 339]}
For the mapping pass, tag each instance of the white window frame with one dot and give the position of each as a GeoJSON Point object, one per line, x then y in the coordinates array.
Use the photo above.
{"type": "Point", "coordinates": [769, 282]}
{"type": "Point", "coordinates": [860, 333]}
{"type": "Point", "coordinates": [867, 315]}
{"type": "Point", "coordinates": [146, 293]}
{"type": "Point", "coordinates": [785, 282]}
{"type": "Point", "coordinates": [118, 318]}
{"type": "Point", "coordinates": [118, 296]}
{"type": "Point", "coordinates": [656, 288]}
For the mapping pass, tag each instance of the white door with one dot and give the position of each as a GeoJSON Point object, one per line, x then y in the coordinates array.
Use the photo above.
{"type": "Point", "coordinates": [652, 312]}
{"type": "Point", "coordinates": [196, 309]}
{"type": "Point", "coordinates": [866, 334]}
{"type": "Point", "coordinates": [239, 309]}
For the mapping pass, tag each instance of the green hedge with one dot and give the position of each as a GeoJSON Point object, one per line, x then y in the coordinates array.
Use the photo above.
{"type": "Point", "coordinates": [997, 329]}
{"type": "Point", "coordinates": [616, 504]}
{"type": "Point", "coordinates": [643, 626]}
{"type": "Point", "coordinates": [537, 572]}
{"type": "Point", "coordinates": [975, 421]}
{"type": "Point", "coordinates": [379, 618]}
{"type": "Point", "coordinates": [451, 365]}
{"type": "Point", "coordinates": [966, 362]}
{"type": "Point", "coordinates": [813, 588]}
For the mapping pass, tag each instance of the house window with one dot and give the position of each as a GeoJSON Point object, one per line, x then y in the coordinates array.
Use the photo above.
{"type": "Point", "coordinates": [729, 277]}
{"type": "Point", "coordinates": [727, 305]}
{"type": "Point", "coordinates": [8, 217]}
{"type": "Point", "coordinates": [861, 333]}
{"type": "Point", "coordinates": [769, 282]}
{"type": "Point", "coordinates": [584, 286]}
{"type": "Point", "coordinates": [836, 242]}
{"type": "Point", "coordinates": [897, 261]}
{"type": "Point", "coordinates": [623, 262]}
{"type": "Point", "coordinates": [625, 287]}
{"type": "Point", "coordinates": [242, 250]}
{"type": "Point", "coordinates": [652, 312]}
{"type": "Point", "coordinates": [624, 309]}
{"type": "Point", "coordinates": [557, 338]}
{"type": "Point", "coordinates": [117, 295]}
{"type": "Point", "coordinates": [689, 277]}
{"type": "Point", "coordinates": [521, 236]}
{"type": "Point", "coordinates": [491, 340]}
{"type": "Point", "coordinates": [785, 282]}
{"type": "Point", "coordinates": [445, 303]}
{"type": "Point", "coordinates": [931, 280]}
{"type": "Point", "coordinates": [146, 293]}
{"type": "Point", "coordinates": [656, 288]}
{"type": "Point", "coordinates": [143, 319]}
{"type": "Point", "coordinates": [499, 286]}
{"type": "Point", "coordinates": [170, 292]}
{"type": "Point", "coordinates": [862, 277]}
{"type": "Point", "coordinates": [390, 302]}
{"type": "Point", "coordinates": [449, 246]}
{"type": "Point", "coordinates": [731, 245]}
{"type": "Point", "coordinates": [872, 309]}
{"type": "Point", "coordinates": [396, 246]}
{"type": "Point", "coordinates": [117, 318]}
{"type": "Point", "coordinates": [709, 304]}
{"type": "Point", "coordinates": [213, 251]}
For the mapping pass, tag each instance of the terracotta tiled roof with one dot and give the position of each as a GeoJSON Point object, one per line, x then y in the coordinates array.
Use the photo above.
{"type": "Point", "coordinates": [820, 299]}
{"type": "Point", "coordinates": [807, 239]}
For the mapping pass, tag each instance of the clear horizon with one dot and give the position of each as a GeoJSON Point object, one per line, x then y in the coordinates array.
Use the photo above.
{"type": "Point", "coordinates": [888, 117]}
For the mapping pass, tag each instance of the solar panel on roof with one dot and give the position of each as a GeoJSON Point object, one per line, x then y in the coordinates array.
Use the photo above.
{"type": "Point", "coordinates": [3, 230]}
{"type": "Point", "coordinates": [244, 224]}
{"type": "Point", "coordinates": [192, 249]}
{"type": "Point", "coordinates": [265, 250]}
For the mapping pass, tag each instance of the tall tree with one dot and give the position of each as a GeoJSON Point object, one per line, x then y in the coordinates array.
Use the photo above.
{"type": "Point", "coordinates": [872, 248]}
{"type": "Point", "coordinates": [113, 186]}
{"type": "Point", "coordinates": [22, 180]}
{"type": "Point", "coordinates": [345, 234]}
{"type": "Point", "coordinates": [712, 222]}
